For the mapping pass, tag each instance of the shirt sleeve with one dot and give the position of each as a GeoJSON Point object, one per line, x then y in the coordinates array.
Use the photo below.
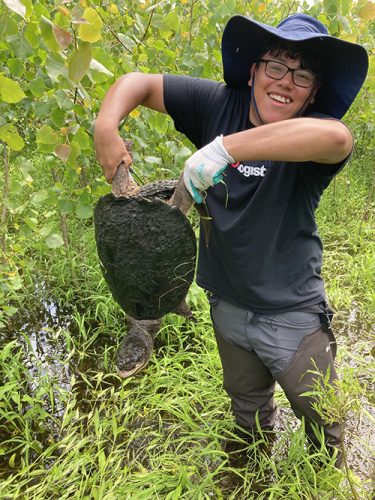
{"type": "Point", "coordinates": [188, 101]}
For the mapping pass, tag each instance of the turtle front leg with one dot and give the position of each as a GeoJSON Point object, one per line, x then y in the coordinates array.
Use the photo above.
{"type": "Point", "coordinates": [184, 310]}
{"type": "Point", "coordinates": [135, 351]}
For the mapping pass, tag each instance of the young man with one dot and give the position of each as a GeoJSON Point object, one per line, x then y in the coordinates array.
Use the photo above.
{"type": "Point", "coordinates": [270, 142]}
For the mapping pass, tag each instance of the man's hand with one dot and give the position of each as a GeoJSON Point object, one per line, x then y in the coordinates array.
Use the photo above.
{"type": "Point", "coordinates": [205, 168]}
{"type": "Point", "coordinates": [110, 151]}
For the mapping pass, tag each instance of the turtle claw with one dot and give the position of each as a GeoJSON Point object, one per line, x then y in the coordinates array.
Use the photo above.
{"type": "Point", "coordinates": [184, 310]}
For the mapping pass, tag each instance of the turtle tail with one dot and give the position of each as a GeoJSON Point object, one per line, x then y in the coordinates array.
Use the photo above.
{"type": "Point", "coordinates": [135, 351]}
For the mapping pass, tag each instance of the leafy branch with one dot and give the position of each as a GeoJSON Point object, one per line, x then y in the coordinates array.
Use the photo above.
{"type": "Point", "coordinates": [110, 29]}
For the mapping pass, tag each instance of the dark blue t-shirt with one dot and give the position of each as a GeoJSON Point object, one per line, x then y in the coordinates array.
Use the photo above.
{"type": "Point", "coordinates": [264, 251]}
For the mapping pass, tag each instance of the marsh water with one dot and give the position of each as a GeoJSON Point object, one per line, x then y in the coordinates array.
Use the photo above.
{"type": "Point", "coordinates": [48, 355]}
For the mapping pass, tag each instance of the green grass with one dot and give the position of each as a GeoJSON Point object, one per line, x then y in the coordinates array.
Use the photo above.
{"type": "Point", "coordinates": [346, 221]}
{"type": "Point", "coordinates": [84, 433]}
{"type": "Point", "coordinates": [71, 428]}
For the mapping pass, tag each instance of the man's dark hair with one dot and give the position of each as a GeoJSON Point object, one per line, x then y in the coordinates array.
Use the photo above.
{"type": "Point", "coordinates": [311, 54]}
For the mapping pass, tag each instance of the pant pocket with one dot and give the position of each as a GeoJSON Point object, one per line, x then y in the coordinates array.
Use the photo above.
{"type": "Point", "coordinates": [228, 321]}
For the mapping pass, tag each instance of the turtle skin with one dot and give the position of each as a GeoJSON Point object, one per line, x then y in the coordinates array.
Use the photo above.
{"type": "Point", "coordinates": [147, 250]}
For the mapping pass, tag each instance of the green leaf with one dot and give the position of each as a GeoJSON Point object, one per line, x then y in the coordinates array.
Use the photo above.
{"type": "Point", "coordinates": [26, 167]}
{"type": "Point", "coordinates": [43, 109]}
{"type": "Point", "coordinates": [10, 310]}
{"type": "Point", "coordinates": [58, 117]}
{"type": "Point", "coordinates": [46, 135]}
{"type": "Point", "coordinates": [344, 22]}
{"type": "Point", "coordinates": [157, 121]}
{"type": "Point", "coordinates": [17, 7]}
{"type": "Point", "coordinates": [12, 461]}
{"type": "Point", "coordinates": [83, 139]}
{"type": "Point", "coordinates": [46, 148]}
{"type": "Point", "coordinates": [182, 154]}
{"type": "Point", "coordinates": [37, 86]}
{"type": "Point", "coordinates": [127, 41]}
{"type": "Point", "coordinates": [99, 72]}
{"type": "Point", "coordinates": [39, 197]}
{"type": "Point", "coordinates": [51, 201]}
{"type": "Point", "coordinates": [46, 230]}
{"type": "Point", "coordinates": [74, 154]}
{"type": "Point", "coordinates": [226, 8]}
{"type": "Point", "coordinates": [105, 57]}
{"type": "Point", "coordinates": [85, 197]}
{"type": "Point", "coordinates": [65, 206]}
{"type": "Point", "coordinates": [91, 30]}
{"type": "Point", "coordinates": [346, 6]}
{"type": "Point", "coordinates": [80, 62]}
{"type": "Point", "coordinates": [29, 4]}
{"type": "Point", "coordinates": [63, 101]}
{"type": "Point", "coordinates": [32, 34]}
{"type": "Point", "coordinates": [54, 241]}
{"type": "Point", "coordinates": [171, 22]}
{"type": "Point", "coordinates": [9, 25]}
{"type": "Point", "coordinates": [31, 222]}
{"type": "Point", "coordinates": [46, 29]}
{"type": "Point", "coordinates": [55, 66]}
{"type": "Point", "coordinates": [84, 211]}
{"type": "Point", "coordinates": [153, 160]}
{"type": "Point", "coordinates": [20, 46]}
{"type": "Point", "coordinates": [333, 26]}
{"type": "Point", "coordinates": [101, 189]}
{"type": "Point", "coordinates": [10, 91]}
{"type": "Point", "coordinates": [10, 135]}
{"type": "Point", "coordinates": [16, 67]}
{"type": "Point", "coordinates": [331, 6]}
{"type": "Point", "coordinates": [100, 68]}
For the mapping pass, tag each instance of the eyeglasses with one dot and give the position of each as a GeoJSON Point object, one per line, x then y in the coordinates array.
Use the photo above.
{"type": "Point", "coordinates": [277, 70]}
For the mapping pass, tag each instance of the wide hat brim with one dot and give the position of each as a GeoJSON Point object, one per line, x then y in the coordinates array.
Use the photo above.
{"type": "Point", "coordinates": [345, 63]}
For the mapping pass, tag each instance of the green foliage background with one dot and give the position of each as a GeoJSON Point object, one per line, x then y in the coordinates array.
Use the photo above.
{"type": "Point", "coordinates": [57, 60]}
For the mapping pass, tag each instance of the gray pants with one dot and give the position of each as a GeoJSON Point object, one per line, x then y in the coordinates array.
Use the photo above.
{"type": "Point", "coordinates": [257, 350]}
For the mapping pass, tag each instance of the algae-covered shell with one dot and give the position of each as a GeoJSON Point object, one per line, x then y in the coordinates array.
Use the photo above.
{"type": "Point", "coordinates": [147, 249]}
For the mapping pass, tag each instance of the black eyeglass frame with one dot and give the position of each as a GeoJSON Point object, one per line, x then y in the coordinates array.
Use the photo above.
{"type": "Point", "coordinates": [292, 70]}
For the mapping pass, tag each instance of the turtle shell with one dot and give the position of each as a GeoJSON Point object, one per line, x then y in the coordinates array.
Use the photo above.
{"type": "Point", "coordinates": [147, 249]}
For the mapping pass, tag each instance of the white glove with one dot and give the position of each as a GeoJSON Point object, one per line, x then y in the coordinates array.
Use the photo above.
{"type": "Point", "coordinates": [205, 168]}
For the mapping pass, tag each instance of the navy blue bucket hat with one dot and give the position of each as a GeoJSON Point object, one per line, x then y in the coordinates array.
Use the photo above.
{"type": "Point", "coordinates": [345, 63]}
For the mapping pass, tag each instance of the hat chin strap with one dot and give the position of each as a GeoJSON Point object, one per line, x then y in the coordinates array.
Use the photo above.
{"type": "Point", "coordinates": [255, 107]}
{"type": "Point", "coordinates": [253, 101]}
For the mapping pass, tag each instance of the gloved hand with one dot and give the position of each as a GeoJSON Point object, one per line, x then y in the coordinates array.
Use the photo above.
{"type": "Point", "coordinates": [205, 168]}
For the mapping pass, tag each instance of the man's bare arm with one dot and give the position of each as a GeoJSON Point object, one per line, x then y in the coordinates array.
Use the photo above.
{"type": "Point", "coordinates": [126, 94]}
{"type": "Point", "coordinates": [297, 139]}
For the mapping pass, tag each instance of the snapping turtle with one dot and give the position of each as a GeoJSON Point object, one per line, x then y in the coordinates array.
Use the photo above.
{"type": "Point", "coordinates": [147, 250]}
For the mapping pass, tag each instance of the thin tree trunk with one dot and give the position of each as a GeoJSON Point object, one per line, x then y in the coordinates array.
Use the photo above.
{"type": "Point", "coordinates": [4, 211]}
{"type": "Point", "coordinates": [65, 235]}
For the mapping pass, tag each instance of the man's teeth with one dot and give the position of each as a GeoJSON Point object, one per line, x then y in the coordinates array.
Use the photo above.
{"type": "Point", "coordinates": [280, 98]}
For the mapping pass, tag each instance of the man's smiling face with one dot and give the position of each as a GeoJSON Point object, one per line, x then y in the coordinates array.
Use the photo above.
{"type": "Point", "coordinates": [277, 99]}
